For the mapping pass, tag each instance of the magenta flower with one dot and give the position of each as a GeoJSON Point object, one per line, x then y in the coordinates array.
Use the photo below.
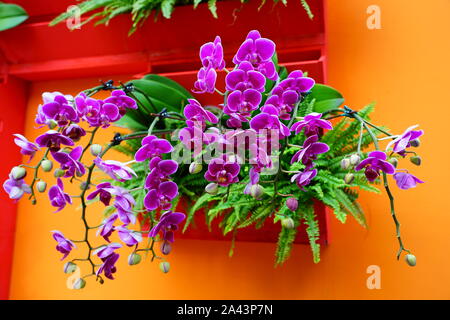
{"type": "Point", "coordinates": [129, 237]}
{"type": "Point", "coordinates": [206, 81]}
{"type": "Point", "coordinates": [242, 103]}
{"type": "Point", "coordinates": [58, 198]}
{"type": "Point", "coordinates": [168, 223]}
{"type": "Point", "coordinates": [194, 112]}
{"type": "Point", "coordinates": [74, 132]}
{"type": "Point", "coordinates": [115, 169]}
{"type": "Point", "coordinates": [120, 99]}
{"type": "Point", "coordinates": [124, 203]}
{"type": "Point", "coordinates": [284, 101]}
{"type": "Point", "coordinates": [159, 170]}
{"type": "Point", "coordinates": [104, 191]}
{"type": "Point", "coordinates": [304, 178]}
{"type": "Point", "coordinates": [96, 112]}
{"type": "Point", "coordinates": [297, 82]}
{"type": "Point", "coordinates": [107, 250]}
{"type": "Point", "coordinates": [53, 140]}
{"type": "Point", "coordinates": [245, 77]}
{"type": "Point", "coordinates": [64, 245]}
{"type": "Point", "coordinates": [152, 147]}
{"type": "Point", "coordinates": [222, 172]}
{"type": "Point", "coordinates": [312, 123]}
{"type": "Point", "coordinates": [60, 110]}
{"type": "Point", "coordinates": [27, 148]}
{"type": "Point", "coordinates": [109, 266]}
{"type": "Point", "coordinates": [16, 188]}
{"type": "Point", "coordinates": [107, 227]}
{"type": "Point", "coordinates": [404, 141]}
{"type": "Point", "coordinates": [69, 162]}
{"type": "Point", "coordinates": [257, 51]}
{"type": "Point", "coordinates": [405, 180]}
{"type": "Point", "coordinates": [375, 162]}
{"type": "Point", "coordinates": [162, 196]}
{"type": "Point", "coordinates": [211, 54]}
{"type": "Point", "coordinates": [311, 148]}
{"type": "Point", "coordinates": [269, 119]}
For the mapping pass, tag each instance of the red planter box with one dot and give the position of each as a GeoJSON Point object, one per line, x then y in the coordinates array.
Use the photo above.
{"type": "Point", "coordinates": [33, 52]}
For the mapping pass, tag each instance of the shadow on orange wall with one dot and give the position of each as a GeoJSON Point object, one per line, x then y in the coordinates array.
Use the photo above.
{"type": "Point", "coordinates": [404, 68]}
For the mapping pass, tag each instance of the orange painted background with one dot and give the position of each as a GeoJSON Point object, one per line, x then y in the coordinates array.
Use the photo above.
{"type": "Point", "coordinates": [404, 67]}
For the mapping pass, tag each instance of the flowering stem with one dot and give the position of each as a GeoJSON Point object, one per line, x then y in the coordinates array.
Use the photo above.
{"type": "Point", "coordinates": [361, 132]}
{"type": "Point", "coordinates": [35, 176]}
{"type": "Point", "coordinates": [386, 186]}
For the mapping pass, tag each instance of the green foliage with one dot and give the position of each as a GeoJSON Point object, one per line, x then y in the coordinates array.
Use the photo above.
{"type": "Point", "coordinates": [140, 10]}
{"type": "Point", "coordinates": [11, 15]}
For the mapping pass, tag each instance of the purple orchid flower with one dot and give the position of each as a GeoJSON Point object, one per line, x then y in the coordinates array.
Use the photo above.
{"type": "Point", "coordinates": [211, 54]}
{"type": "Point", "coordinates": [107, 250]}
{"type": "Point", "coordinates": [242, 102]}
{"type": "Point", "coordinates": [74, 132]}
{"type": "Point", "coordinates": [109, 266]}
{"type": "Point", "coordinates": [161, 197]}
{"type": "Point", "coordinates": [404, 140]}
{"type": "Point", "coordinates": [59, 109]}
{"type": "Point", "coordinates": [129, 237]}
{"type": "Point", "coordinates": [103, 191]}
{"type": "Point", "coordinates": [312, 123]}
{"type": "Point", "coordinates": [168, 223]}
{"type": "Point", "coordinates": [297, 82]}
{"type": "Point", "coordinates": [69, 162]}
{"type": "Point", "coordinates": [194, 112]}
{"type": "Point", "coordinates": [123, 102]}
{"type": "Point", "coordinates": [159, 170]}
{"type": "Point", "coordinates": [16, 188]}
{"type": "Point", "coordinates": [107, 227]}
{"type": "Point", "coordinates": [284, 101]}
{"type": "Point", "coordinates": [64, 245]}
{"type": "Point", "coordinates": [311, 148]}
{"type": "Point", "coordinates": [27, 148]}
{"type": "Point", "coordinates": [406, 180]}
{"type": "Point", "coordinates": [222, 172]}
{"type": "Point", "coordinates": [58, 198]}
{"type": "Point", "coordinates": [152, 147]}
{"type": "Point", "coordinates": [245, 77]}
{"type": "Point", "coordinates": [124, 203]}
{"type": "Point", "coordinates": [206, 81]}
{"type": "Point", "coordinates": [53, 139]}
{"type": "Point", "coordinates": [375, 162]}
{"type": "Point", "coordinates": [258, 51]}
{"type": "Point", "coordinates": [269, 119]}
{"type": "Point", "coordinates": [304, 178]}
{"type": "Point", "coordinates": [96, 112]}
{"type": "Point", "coordinates": [115, 169]}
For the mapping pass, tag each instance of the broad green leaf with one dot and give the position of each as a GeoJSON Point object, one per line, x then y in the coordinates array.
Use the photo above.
{"type": "Point", "coordinates": [326, 98]}
{"type": "Point", "coordinates": [11, 15]}
{"type": "Point", "coordinates": [169, 82]}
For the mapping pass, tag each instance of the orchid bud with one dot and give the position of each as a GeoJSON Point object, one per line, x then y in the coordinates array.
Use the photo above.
{"type": "Point", "coordinates": [415, 143]}
{"type": "Point", "coordinates": [33, 202]}
{"type": "Point", "coordinates": [18, 173]}
{"type": "Point", "coordinates": [70, 267]}
{"type": "Point", "coordinates": [195, 168]}
{"type": "Point", "coordinates": [164, 267]}
{"type": "Point", "coordinates": [59, 173]}
{"type": "Point", "coordinates": [288, 223]}
{"type": "Point", "coordinates": [256, 191]}
{"type": "Point", "coordinates": [417, 160]}
{"type": "Point", "coordinates": [96, 149]}
{"type": "Point", "coordinates": [100, 280]}
{"type": "Point", "coordinates": [410, 260]}
{"type": "Point", "coordinates": [134, 259]}
{"type": "Point", "coordinates": [165, 247]}
{"type": "Point", "coordinates": [345, 163]}
{"type": "Point", "coordinates": [52, 124]}
{"type": "Point", "coordinates": [292, 204]}
{"type": "Point", "coordinates": [46, 165]}
{"type": "Point", "coordinates": [355, 159]}
{"type": "Point", "coordinates": [349, 178]}
{"type": "Point", "coordinates": [393, 161]}
{"type": "Point", "coordinates": [212, 188]}
{"type": "Point", "coordinates": [41, 186]}
{"type": "Point", "coordinates": [79, 284]}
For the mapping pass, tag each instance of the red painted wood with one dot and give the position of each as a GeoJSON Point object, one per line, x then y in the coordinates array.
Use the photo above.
{"type": "Point", "coordinates": [14, 100]}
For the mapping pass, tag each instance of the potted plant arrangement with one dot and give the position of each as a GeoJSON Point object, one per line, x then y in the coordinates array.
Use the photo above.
{"type": "Point", "coordinates": [278, 144]}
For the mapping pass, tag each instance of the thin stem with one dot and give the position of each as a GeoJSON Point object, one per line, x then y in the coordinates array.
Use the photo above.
{"type": "Point", "coordinates": [361, 131]}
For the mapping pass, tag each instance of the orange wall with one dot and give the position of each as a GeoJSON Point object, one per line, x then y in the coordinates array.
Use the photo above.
{"type": "Point", "coordinates": [404, 68]}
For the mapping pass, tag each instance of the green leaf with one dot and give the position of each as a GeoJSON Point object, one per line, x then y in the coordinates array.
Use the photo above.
{"type": "Point", "coordinates": [212, 7]}
{"type": "Point", "coordinates": [326, 98]}
{"type": "Point", "coordinates": [169, 82]}
{"type": "Point", "coordinates": [11, 15]}
{"type": "Point", "coordinates": [196, 3]}
{"type": "Point", "coordinates": [167, 8]}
